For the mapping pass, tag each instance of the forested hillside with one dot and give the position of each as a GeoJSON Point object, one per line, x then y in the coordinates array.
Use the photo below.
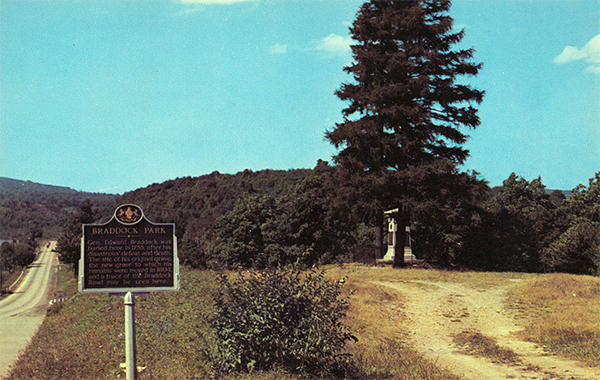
{"type": "Point", "coordinates": [273, 217]}
{"type": "Point", "coordinates": [195, 204]}
{"type": "Point", "coordinates": [307, 216]}
{"type": "Point", "coordinates": [194, 200]}
{"type": "Point", "coordinates": [245, 219]}
{"type": "Point", "coordinates": [27, 206]}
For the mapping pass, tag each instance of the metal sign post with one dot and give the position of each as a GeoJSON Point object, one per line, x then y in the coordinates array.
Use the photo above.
{"type": "Point", "coordinates": [129, 256]}
{"type": "Point", "coordinates": [130, 347]}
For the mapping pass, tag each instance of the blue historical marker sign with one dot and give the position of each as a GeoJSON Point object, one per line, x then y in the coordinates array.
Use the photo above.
{"type": "Point", "coordinates": [128, 254]}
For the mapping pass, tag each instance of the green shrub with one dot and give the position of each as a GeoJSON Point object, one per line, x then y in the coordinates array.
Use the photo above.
{"type": "Point", "coordinates": [280, 318]}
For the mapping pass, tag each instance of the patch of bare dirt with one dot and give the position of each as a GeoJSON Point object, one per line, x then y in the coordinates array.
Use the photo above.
{"type": "Point", "coordinates": [436, 311]}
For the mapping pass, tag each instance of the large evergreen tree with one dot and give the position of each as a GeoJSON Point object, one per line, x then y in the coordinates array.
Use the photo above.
{"type": "Point", "coordinates": [406, 109]}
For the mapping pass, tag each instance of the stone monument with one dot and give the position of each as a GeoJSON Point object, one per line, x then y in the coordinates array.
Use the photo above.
{"type": "Point", "coordinates": [388, 258]}
{"type": "Point", "coordinates": [392, 255]}
{"type": "Point", "coordinates": [409, 258]}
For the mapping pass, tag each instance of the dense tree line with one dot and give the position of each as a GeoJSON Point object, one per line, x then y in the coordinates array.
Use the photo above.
{"type": "Point", "coordinates": [576, 248]}
{"type": "Point", "coordinates": [193, 204]}
{"type": "Point", "coordinates": [523, 227]}
{"type": "Point", "coordinates": [68, 246]}
{"type": "Point", "coordinates": [308, 224]}
{"type": "Point", "coordinates": [15, 255]}
{"type": "Point", "coordinates": [271, 218]}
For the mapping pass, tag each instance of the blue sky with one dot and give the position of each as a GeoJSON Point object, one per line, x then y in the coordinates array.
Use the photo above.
{"type": "Point", "coordinates": [110, 96]}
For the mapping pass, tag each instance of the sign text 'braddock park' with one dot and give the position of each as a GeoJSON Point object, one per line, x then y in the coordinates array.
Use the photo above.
{"type": "Point", "coordinates": [128, 254]}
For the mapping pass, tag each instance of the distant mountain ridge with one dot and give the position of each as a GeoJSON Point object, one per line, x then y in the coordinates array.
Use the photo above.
{"type": "Point", "coordinates": [14, 186]}
{"type": "Point", "coordinates": [188, 201]}
{"type": "Point", "coordinates": [25, 205]}
{"type": "Point", "coordinates": [566, 193]}
{"type": "Point", "coordinates": [200, 200]}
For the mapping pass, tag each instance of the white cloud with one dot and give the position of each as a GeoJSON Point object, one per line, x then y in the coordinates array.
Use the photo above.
{"type": "Point", "coordinates": [593, 49]}
{"type": "Point", "coordinates": [569, 54]}
{"type": "Point", "coordinates": [590, 53]}
{"type": "Point", "coordinates": [189, 11]}
{"type": "Point", "coordinates": [278, 49]}
{"type": "Point", "coordinates": [335, 44]}
{"type": "Point", "coordinates": [197, 5]}
{"type": "Point", "coordinates": [214, 1]}
{"type": "Point", "coordinates": [593, 69]}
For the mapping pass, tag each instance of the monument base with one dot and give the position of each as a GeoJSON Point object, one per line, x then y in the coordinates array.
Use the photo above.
{"type": "Point", "coordinates": [389, 256]}
{"type": "Point", "coordinates": [409, 258]}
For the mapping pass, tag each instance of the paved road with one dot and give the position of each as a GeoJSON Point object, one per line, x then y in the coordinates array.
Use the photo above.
{"type": "Point", "coordinates": [23, 312]}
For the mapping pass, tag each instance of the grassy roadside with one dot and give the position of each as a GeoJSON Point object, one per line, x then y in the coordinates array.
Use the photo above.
{"type": "Point", "coordinates": [82, 338]}
{"type": "Point", "coordinates": [562, 313]}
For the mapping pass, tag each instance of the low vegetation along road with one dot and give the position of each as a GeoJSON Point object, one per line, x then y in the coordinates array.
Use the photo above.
{"type": "Point", "coordinates": [437, 311]}
{"type": "Point", "coordinates": [22, 313]}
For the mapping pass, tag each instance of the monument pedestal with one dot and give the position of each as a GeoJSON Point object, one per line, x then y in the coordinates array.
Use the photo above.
{"type": "Point", "coordinates": [389, 256]}
{"type": "Point", "coordinates": [409, 258]}
{"type": "Point", "coordinates": [394, 243]}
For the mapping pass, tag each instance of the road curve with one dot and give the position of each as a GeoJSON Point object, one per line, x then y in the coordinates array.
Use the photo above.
{"type": "Point", "coordinates": [23, 312]}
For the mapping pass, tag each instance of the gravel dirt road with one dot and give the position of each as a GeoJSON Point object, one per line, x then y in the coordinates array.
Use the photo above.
{"type": "Point", "coordinates": [22, 312]}
{"type": "Point", "coordinates": [435, 311]}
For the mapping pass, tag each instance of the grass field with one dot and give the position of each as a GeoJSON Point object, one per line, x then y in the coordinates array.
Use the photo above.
{"type": "Point", "coordinates": [562, 313]}
{"type": "Point", "coordinates": [83, 337]}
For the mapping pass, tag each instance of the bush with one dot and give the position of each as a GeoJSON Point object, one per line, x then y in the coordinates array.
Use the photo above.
{"type": "Point", "coordinates": [282, 319]}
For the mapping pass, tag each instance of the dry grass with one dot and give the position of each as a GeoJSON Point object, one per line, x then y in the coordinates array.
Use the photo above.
{"type": "Point", "coordinates": [475, 343]}
{"type": "Point", "coordinates": [482, 280]}
{"type": "Point", "coordinates": [558, 311]}
{"type": "Point", "coordinates": [376, 317]}
{"type": "Point", "coordinates": [561, 312]}
{"type": "Point", "coordinates": [84, 338]}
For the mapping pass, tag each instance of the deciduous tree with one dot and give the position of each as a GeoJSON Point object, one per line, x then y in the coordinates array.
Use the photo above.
{"type": "Point", "coordinates": [519, 221]}
{"type": "Point", "coordinates": [69, 243]}
{"type": "Point", "coordinates": [577, 249]}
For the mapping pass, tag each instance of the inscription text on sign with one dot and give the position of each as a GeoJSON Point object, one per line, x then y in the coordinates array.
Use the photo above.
{"type": "Point", "coordinates": [128, 254]}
